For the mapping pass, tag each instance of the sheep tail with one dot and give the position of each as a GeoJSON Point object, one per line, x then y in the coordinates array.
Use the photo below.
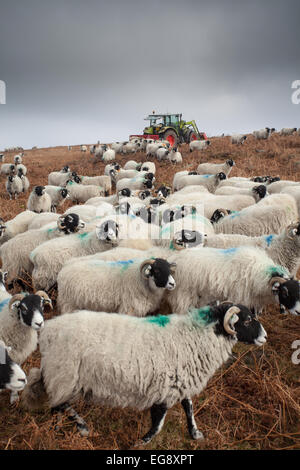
{"type": "Point", "coordinates": [34, 396]}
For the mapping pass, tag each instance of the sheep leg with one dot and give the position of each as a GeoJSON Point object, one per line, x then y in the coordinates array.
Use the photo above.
{"type": "Point", "coordinates": [187, 405]}
{"type": "Point", "coordinates": [13, 397]}
{"type": "Point", "coordinates": [72, 416]}
{"type": "Point", "coordinates": [158, 414]}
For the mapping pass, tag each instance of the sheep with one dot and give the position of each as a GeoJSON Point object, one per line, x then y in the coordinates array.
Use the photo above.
{"type": "Point", "coordinates": [244, 274]}
{"type": "Point", "coordinates": [132, 165]}
{"type": "Point", "coordinates": [271, 215]}
{"type": "Point", "coordinates": [214, 168]}
{"type": "Point", "coordinates": [49, 257]}
{"type": "Point", "coordinates": [81, 193]}
{"type": "Point", "coordinates": [283, 249]}
{"type": "Point", "coordinates": [2, 157]}
{"type": "Point", "coordinates": [99, 151]}
{"type": "Point", "coordinates": [85, 212]}
{"type": "Point", "coordinates": [111, 166]}
{"type": "Point", "coordinates": [12, 377]}
{"type": "Point", "coordinates": [279, 186]}
{"type": "Point", "coordinates": [18, 224]}
{"type": "Point", "coordinates": [21, 317]}
{"type": "Point", "coordinates": [263, 134]}
{"type": "Point", "coordinates": [15, 252]}
{"type": "Point", "coordinates": [139, 182]}
{"type": "Point", "coordinates": [17, 159]}
{"type": "Point", "coordinates": [24, 179]}
{"type": "Point", "coordinates": [199, 145]}
{"type": "Point", "coordinates": [101, 354]}
{"type": "Point", "coordinates": [130, 147]}
{"type": "Point", "coordinates": [162, 153]}
{"type": "Point", "coordinates": [7, 169]}
{"type": "Point", "coordinates": [175, 156]}
{"type": "Point", "coordinates": [117, 146]}
{"type": "Point", "coordinates": [102, 180]}
{"type": "Point", "coordinates": [57, 194]}
{"type": "Point", "coordinates": [257, 192]}
{"type": "Point", "coordinates": [151, 148]}
{"type": "Point", "coordinates": [209, 181]}
{"type": "Point", "coordinates": [57, 178]}
{"type": "Point", "coordinates": [65, 169]}
{"type": "Point", "coordinates": [14, 186]}
{"type": "Point", "coordinates": [137, 285]}
{"type": "Point", "coordinates": [22, 167]}
{"type": "Point", "coordinates": [109, 155]}
{"type": "Point", "coordinates": [149, 167]}
{"type": "Point", "coordinates": [83, 148]}
{"type": "Point", "coordinates": [39, 201]}
{"type": "Point", "coordinates": [238, 138]}
{"type": "Point", "coordinates": [288, 130]}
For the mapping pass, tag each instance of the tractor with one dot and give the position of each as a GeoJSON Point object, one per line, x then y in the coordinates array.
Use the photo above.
{"type": "Point", "coordinates": [171, 127]}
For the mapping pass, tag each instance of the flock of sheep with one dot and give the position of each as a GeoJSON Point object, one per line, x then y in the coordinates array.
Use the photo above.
{"type": "Point", "coordinates": [217, 249]}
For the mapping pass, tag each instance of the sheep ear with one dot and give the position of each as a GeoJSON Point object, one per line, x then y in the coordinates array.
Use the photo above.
{"type": "Point", "coordinates": [4, 275]}
{"type": "Point", "coordinates": [146, 268]}
{"type": "Point", "coordinates": [45, 298]}
{"type": "Point", "coordinates": [173, 267]}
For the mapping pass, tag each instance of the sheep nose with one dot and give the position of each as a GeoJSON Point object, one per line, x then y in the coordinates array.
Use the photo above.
{"type": "Point", "coordinates": [24, 381]}
{"type": "Point", "coordinates": [39, 324]}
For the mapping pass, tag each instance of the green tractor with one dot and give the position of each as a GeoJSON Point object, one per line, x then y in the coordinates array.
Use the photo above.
{"type": "Point", "coordinates": [171, 127]}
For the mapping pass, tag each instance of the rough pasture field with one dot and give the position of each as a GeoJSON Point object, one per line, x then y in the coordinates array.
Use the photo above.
{"type": "Point", "coordinates": [251, 403]}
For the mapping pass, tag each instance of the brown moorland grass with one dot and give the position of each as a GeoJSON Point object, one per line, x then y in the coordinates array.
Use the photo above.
{"type": "Point", "coordinates": [252, 402]}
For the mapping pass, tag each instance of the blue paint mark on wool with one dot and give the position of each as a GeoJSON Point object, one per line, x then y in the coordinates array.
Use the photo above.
{"type": "Point", "coordinates": [229, 251]}
{"type": "Point", "coordinates": [205, 176]}
{"type": "Point", "coordinates": [4, 303]}
{"type": "Point", "coordinates": [234, 214]}
{"type": "Point", "coordinates": [269, 239]}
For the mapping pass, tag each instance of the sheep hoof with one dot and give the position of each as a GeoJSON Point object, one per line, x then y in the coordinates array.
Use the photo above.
{"type": "Point", "coordinates": [141, 443]}
{"type": "Point", "coordinates": [196, 434]}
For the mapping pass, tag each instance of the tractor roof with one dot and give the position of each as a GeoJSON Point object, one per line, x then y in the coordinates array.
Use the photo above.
{"type": "Point", "coordinates": [151, 116]}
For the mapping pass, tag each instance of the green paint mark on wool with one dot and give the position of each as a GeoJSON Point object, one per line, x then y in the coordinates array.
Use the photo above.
{"type": "Point", "coordinates": [277, 271]}
{"type": "Point", "coordinates": [202, 315]}
{"type": "Point", "coordinates": [50, 230]}
{"type": "Point", "coordinates": [171, 247]}
{"type": "Point", "coordinates": [160, 320]}
{"type": "Point", "coordinates": [83, 235]}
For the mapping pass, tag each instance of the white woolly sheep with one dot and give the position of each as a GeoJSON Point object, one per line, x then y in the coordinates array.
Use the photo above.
{"type": "Point", "coordinates": [20, 319]}
{"type": "Point", "coordinates": [135, 287]}
{"type": "Point", "coordinates": [7, 169]}
{"type": "Point", "coordinates": [238, 138]}
{"type": "Point", "coordinates": [18, 224]}
{"type": "Point", "coordinates": [22, 167]}
{"type": "Point", "coordinates": [109, 155]}
{"type": "Point", "coordinates": [208, 181]}
{"type": "Point", "coordinates": [271, 215]}
{"type": "Point", "coordinates": [263, 134]}
{"type": "Point", "coordinates": [15, 253]}
{"type": "Point", "coordinates": [102, 180]}
{"type": "Point", "coordinates": [39, 201]}
{"type": "Point", "coordinates": [81, 193]}
{"type": "Point", "coordinates": [214, 168]}
{"type": "Point", "coordinates": [14, 186]}
{"type": "Point", "coordinates": [137, 362]}
{"type": "Point", "coordinates": [199, 145]}
{"type": "Point", "coordinates": [288, 130]}
{"type": "Point", "coordinates": [245, 274]}
{"type": "Point", "coordinates": [12, 377]}
{"type": "Point", "coordinates": [24, 179]}
{"type": "Point", "coordinates": [58, 196]}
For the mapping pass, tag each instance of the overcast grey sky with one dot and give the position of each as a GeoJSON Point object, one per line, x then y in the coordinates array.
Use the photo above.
{"type": "Point", "coordinates": [78, 71]}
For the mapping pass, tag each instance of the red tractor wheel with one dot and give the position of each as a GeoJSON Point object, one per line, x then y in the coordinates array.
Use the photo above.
{"type": "Point", "coordinates": [190, 136]}
{"type": "Point", "coordinates": [171, 137]}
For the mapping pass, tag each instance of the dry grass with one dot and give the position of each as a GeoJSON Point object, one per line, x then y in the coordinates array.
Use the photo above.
{"type": "Point", "coordinates": [253, 402]}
